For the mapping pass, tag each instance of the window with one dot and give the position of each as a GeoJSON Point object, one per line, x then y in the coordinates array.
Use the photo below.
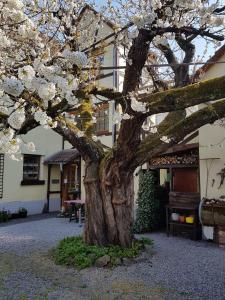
{"type": "Point", "coordinates": [31, 170]}
{"type": "Point", "coordinates": [102, 119]}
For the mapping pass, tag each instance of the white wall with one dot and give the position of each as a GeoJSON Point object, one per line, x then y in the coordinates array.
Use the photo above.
{"type": "Point", "coordinates": [212, 158]}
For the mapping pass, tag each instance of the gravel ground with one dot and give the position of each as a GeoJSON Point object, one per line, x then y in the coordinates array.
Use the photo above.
{"type": "Point", "coordinates": [178, 269]}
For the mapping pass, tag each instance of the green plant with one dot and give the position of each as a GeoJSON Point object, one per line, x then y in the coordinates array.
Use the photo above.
{"type": "Point", "coordinates": [150, 211]}
{"type": "Point", "coordinates": [146, 241]}
{"type": "Point", "coordinates": [22, 212]}
{"type": "Point", "coordinates": [72, 251]}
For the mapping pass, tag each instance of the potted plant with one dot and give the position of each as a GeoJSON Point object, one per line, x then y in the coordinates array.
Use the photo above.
{"type": "Point", "coordinates": [22, 212]}
{"type": "Point", "coordinates": [3, 216]}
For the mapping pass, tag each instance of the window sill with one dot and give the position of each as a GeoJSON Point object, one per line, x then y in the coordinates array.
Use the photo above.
{"type": "Point", "coordinates": [33, 182]}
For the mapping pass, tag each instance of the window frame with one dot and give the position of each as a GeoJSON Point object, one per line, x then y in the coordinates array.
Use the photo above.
{"type": "Point", "coordinates": [99, 129]}
{"type": "Point", "coordinates": [32, 181]}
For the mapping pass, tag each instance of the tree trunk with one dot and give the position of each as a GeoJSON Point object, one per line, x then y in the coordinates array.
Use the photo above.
{"type": "Point", "coordinates": [109, 206]}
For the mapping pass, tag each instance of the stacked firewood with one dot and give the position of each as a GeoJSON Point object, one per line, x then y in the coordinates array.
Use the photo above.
{"type": "Point", "coordinates": [187, 159]}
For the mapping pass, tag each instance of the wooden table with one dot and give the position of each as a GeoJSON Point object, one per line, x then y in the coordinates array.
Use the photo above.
{"type": "Point", "coordinates": [74, 210]}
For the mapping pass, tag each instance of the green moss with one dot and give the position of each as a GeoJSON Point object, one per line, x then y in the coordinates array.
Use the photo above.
{"type": "Point", "coordinates": [196, 93]}
{"type": "Point", "coordinates": [172, 118]}
{"type": "Point", "coordinates": [72, 251]}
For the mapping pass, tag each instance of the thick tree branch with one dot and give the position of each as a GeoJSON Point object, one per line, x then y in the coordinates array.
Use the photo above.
{"type": "Point", "coordinates": [190, 31]}
{"type": "Point", "coordinates": [219, 9]}
{"type": "Point", "coordinates": [153, 146]}
{"type": "Point", "coordinates": [181, 98]}
{"type": "Point", "coordinates": [86, 146]}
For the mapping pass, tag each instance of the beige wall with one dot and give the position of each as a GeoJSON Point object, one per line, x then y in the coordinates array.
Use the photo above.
{"type": "Point", "coordinates": [212, 158]}
{"type": "Point", "coordinates": [47, 142]}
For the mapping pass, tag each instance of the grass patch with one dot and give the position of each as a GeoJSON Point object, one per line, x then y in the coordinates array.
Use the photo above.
{"type": "Point", "coordinates": [72, 251]}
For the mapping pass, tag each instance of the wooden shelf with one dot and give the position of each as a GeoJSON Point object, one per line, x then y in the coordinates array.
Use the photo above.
{"type": "Point", "coordinates": [195, 228]}
{"type": "Point", "coordinates": [183, 224]}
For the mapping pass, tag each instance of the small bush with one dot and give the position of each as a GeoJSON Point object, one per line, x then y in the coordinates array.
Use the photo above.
{"type": "Point", "coordinates": [72, 251]}
{"type": "Point", "coordinates": [146, 241]}
{"type": "Point", "coordinates": [4, 216]}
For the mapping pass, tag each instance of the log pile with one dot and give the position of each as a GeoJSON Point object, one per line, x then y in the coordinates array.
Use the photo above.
{"type": "Point", "coordinates": [192, 158]}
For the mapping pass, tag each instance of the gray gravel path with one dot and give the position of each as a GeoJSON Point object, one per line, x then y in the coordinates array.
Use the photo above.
{"type": "Point", "coordinates": [179, 269]}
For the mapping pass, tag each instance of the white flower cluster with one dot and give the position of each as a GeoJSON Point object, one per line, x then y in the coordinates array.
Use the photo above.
{"type": "Point", "coordinates": [17, 118]}
{"type": "Point", "coordinates": [12, 86]}
{"type": "Point", "coordinates": [77, 58]}
{"type": "Point", "coordinates": [14, 4]}
{"type": "Point", "coordinates": [43, 119]}
{"type": "Point", "coordinates": [9, 144]}
{"type": "Point", "coordinates": [165, 139]}
{"type": "Point", "coordinates": [136, 105]}
{"type": "Point", "coordinates": [26, 73]}
{"type": "Point", "coordinates": [47, 91]}
{"type": "Point", "coordinates": [4, 40]}
{"type": "Point", "coordinates": [30, 146]}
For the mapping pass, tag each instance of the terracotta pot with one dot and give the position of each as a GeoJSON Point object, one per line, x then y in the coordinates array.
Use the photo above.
{"type": "Point", "coordinates": [182, 219]}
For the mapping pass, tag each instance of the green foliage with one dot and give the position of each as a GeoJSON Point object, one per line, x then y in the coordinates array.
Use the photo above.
{"type": "Point", "coordinates": [149, 212]}
{"type": "Point", "coordinates": [4, 216]}
{"type": "Point", "coordinates": [146, 241]}
{"type": "Point", "coordinates": [22, 212]}
{"type": "Point", "coordinates": [72, 251]}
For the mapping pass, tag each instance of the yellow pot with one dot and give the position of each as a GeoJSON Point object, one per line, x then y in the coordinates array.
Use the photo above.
{"type": "Point", "coordinates": [190, 219]}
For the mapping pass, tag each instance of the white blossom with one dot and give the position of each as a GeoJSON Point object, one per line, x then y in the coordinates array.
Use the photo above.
{"type": "Point", "coordinates": [26, 73]}
{"type": "Point", "coordinates": [42, 117]}
{"type": "Point", "coordinates": [17, 118]}
{"type": "Point", "coordinates": [77, 58]}
{"type": "Point", "coordinates": [165, 139]}
{"type": "Point", "coordinates": [95, 138]}
{"type": "Point", "coordinates": [4, 40]}
{"type": "Point", "coordinates": [80, 133]}
{"type": "Point", "coordinates": [117, 118]}
{"type": "Point", "coordinates": [12, 86]}
{"type": "Point", "coordinates": [14, 4]}
{"type": "Point", "coordinates": [30, 146]}
{"type": "Point", "coordinates": [137, 106]}
{"type": "Point", "coordinates": [126, 116]}
{"type": "Point", "coordinates": [47, 91]}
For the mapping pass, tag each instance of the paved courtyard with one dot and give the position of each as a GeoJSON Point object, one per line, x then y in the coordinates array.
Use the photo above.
{"type": "Point", "coordinates": [179, 269]}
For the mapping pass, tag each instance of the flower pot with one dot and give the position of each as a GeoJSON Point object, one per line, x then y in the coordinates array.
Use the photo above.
{"type": "Point", "coordinates": [182, 219]}
{"type": "Point", "coordinates": [190, 220]}
{"type": "Point", "coordinates": [175, 217]}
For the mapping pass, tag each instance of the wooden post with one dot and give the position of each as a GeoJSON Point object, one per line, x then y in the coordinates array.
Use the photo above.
{"type": "Point", "coordinates": [61, 185]}
{"type": "Point", "coordinates": [48, 187]}
{"type": "Point", "coordinates": [171, 178]}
